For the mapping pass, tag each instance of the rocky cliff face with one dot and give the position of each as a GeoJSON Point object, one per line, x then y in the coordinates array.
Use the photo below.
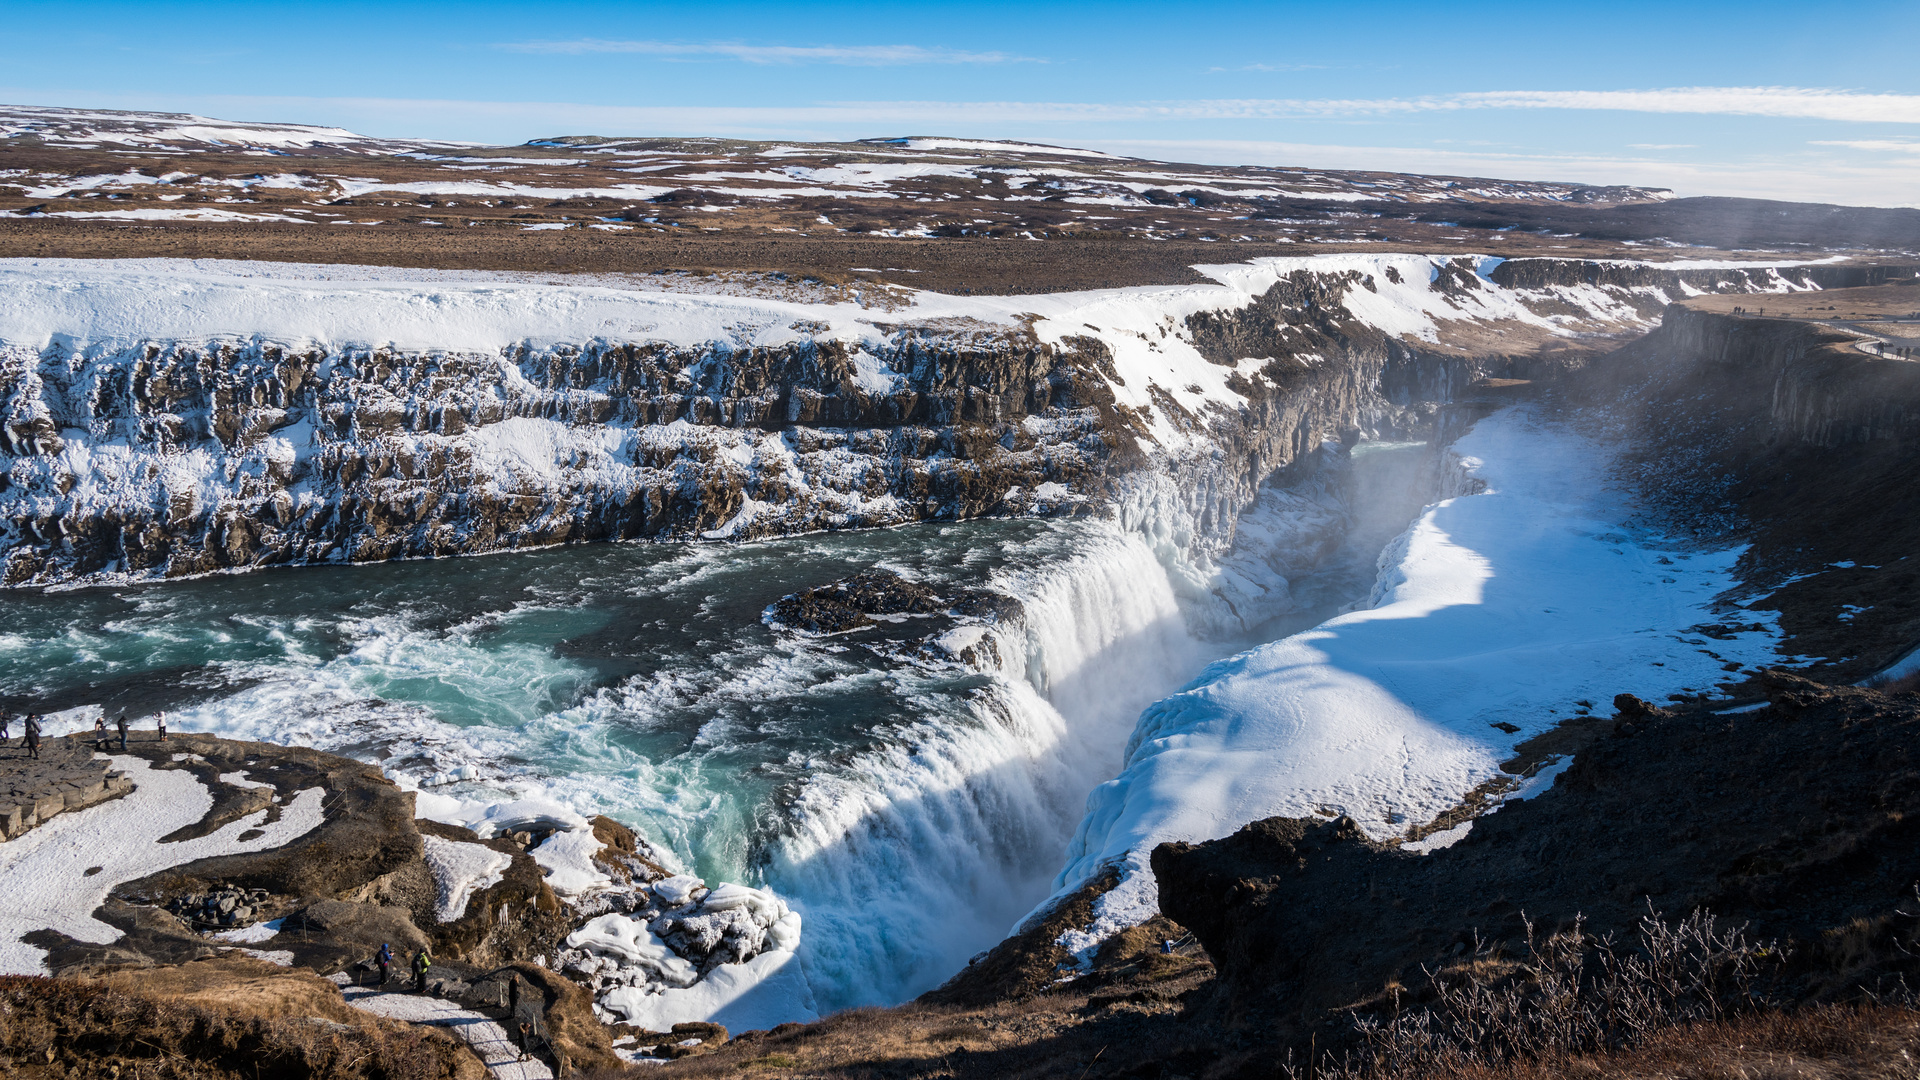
{"type": "Point", "coordinates": [1787, 435]}
{"type": "Point", "coordinates": [181, 459]}
{"type": "Point", "coordinates": [1819, 388]}
{"type": "Point", "coordinates": [169, 457]}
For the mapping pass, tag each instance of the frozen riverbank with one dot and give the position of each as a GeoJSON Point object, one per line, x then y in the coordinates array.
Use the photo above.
{"type": "Point", "coordinates": [1508, 607]}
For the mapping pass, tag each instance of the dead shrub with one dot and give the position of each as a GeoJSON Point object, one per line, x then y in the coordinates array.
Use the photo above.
{"type": "Point", "coordinates": [1573, 994]}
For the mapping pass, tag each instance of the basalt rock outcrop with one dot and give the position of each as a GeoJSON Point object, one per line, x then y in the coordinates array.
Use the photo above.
{"type": "Point", "coordinates": [399, 454]}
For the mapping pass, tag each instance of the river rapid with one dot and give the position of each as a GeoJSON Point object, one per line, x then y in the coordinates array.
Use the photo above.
{"type": "Point", "coordinates": [911, 808]}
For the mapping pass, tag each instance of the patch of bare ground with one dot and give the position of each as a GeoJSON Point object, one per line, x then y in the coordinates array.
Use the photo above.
{"type": "Point", "coordinates": [223, 1019]}
{"type": "Point", "coordinates": [958, 265]}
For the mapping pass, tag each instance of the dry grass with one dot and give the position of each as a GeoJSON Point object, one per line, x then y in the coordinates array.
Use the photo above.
{"type": "Point", "coordinates": [1834, 1042]}
{"type": "Point", "coordinates": [1688, 1002]}
{"type": "Point", "coordinates": [92, 1029]}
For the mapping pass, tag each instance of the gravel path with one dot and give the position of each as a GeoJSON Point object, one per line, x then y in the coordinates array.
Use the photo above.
{"type": "Point", "coordinates": [488, 1039]}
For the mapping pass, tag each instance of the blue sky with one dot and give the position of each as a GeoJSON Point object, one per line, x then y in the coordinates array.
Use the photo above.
{"type": "Point", "coordinates": [1803, 100]}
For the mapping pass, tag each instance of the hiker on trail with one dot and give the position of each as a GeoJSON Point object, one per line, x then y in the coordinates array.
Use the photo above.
{"type": "Point", "coordinates": [120, 725]}
{"type": "Point", "coordinates": [160, 721]}
{"type": "Point", "coordinates": [421, 962]}
{"type": "Point", "coordinates": [384, 958]}
{"type": "Point", "coordinates": [33, 735]}
{"type": "Point", "coordinates": [526, 1008]}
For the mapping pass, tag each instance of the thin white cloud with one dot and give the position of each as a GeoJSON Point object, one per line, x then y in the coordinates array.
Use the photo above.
{"type": "Point", "coordinates": [1787, 102]}
{"type": "Point", "coordinates": [1270, 67]}
{"type": "Point", "coordinates": [1662, 146]}
{"type": "Point", "coordinates": [1885, 146]}
{"type": "Point", "coordinates": [1796, 102]}
{"type": "Point", "coordinates": [846, 55]}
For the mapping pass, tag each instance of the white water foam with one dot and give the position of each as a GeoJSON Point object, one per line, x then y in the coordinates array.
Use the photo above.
{"type": "Point", "coordinates": [930, 850]}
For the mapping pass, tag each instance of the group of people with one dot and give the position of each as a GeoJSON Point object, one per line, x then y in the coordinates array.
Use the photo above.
{"type": "Point", "coordinates": [34, 725]}
{"type": "Point", "coordinates": [31, 742]}
{"type": "Point", "coordinates": [527, 1011]}
{"type": "Point", "coordinates": [101, 739]}
{"type": "Point", "coordinates": [422, 960]}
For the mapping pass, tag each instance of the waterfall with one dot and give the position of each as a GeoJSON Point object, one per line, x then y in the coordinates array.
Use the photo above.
{"type": "Point", "coordinates": [925, 852]}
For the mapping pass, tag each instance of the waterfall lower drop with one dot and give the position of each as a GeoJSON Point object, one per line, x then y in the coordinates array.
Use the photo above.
{"type": "Point", "coordinates": [926, 852]}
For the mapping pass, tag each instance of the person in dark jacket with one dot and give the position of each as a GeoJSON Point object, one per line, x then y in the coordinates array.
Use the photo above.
{"type": "Point", "coordinates": [421, 962]}
{"type": "Point", "coordinates": [99, 733]}
{"type": "Point", "coordinates": [6, 722]}
{"type": "Point", "coordinates": [33, 735]}
{"type": "Point", "coordinates": [384, 958]}
{"type": "Point", "coordinates": [527, 1020]}
{"type": "Point", "coordinates": [120, 725]}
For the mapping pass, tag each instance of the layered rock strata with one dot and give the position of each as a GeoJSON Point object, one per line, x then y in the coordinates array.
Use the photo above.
{"type": "Point", "coordinates": [178, 457]}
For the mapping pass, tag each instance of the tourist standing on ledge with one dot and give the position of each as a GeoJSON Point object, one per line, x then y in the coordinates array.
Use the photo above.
{"type": "Point", "coordinates": [120, 724]}
{"type": "Point", "coordinates": [33, 735]}
{"type": "Point", "coordinates": [160, 721]}
{"type": "Point", "coordinates": [6, 721]}
{"type": "Point", "coordinates": [421, 962]}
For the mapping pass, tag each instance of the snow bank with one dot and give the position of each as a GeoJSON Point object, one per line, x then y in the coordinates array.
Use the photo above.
{"type": "Point", "coordinates": [767, 990]}
{"type": "Point", "coordinates": [639, 964]}
{"type": "Point", "coordinates": [250, 935]}
{"type": "Point", "coordinates": [635, 946]}
{"type": "Point", "coordinates": [565, 856]}
{"type": "Point", "coordinates": [636, 961]}
{"type": "Point", "coordinates": [47, 887]}
{"type": "Point", "coordinates": [98, 305]}
{"type": "Point", "coordinates": [1506, 606]}
{"type": "Point", "coordinates": [459, 871]}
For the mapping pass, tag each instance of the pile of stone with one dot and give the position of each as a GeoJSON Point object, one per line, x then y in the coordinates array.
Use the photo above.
{"type": "Point", "coordinates": [223, 906]}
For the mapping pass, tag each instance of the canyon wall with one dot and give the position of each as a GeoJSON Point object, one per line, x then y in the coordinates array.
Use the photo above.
{"type": "Point", "coordinates": [145, 454]}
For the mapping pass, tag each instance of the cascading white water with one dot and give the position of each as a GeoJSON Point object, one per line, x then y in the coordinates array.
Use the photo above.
{"type": "Point", "coordinates": [928, 851]}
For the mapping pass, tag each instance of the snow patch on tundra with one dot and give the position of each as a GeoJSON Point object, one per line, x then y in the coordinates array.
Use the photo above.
{"type": "Point", "coordinates": [46, 870]}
